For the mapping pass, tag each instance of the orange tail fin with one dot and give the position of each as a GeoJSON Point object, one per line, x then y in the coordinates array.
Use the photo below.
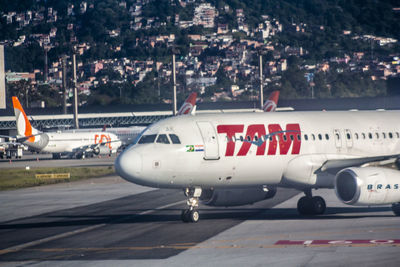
{"type": "Point", "coordinates": [24, 127]}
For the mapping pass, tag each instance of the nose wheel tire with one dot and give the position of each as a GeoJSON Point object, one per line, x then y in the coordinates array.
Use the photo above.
{"type": "Point", "coordinates": [190, 216]}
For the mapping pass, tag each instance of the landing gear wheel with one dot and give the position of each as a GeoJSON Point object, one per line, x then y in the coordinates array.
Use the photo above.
{"type": "Point", "coordinates": [396, 209]}
{"type": "Point", "coordinates": [311, 205]}
{"type": "Point", "coordinates": [194, 216]}
{"type": "Point", "coordinates": [184, 215]}
{"type": "Point", "coordinates": [304, 205]}
{"type": "Point", "coordinates": [191, 214]}
{"type": "Point", "coordinates": [319, 205]}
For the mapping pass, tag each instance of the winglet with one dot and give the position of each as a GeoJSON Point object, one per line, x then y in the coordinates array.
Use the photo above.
{"type": "Point", "coordinates": [272, 102]}
{"type": "Point", "coordinates": [24, 127]}
{"type": "Point", "coordinates": [189, 106]}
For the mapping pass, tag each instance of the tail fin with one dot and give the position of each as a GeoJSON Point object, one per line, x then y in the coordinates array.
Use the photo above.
{"type": "Point", "coordinates": [24, 127]}
{"type": "Point", "coordinates": [272, 102]}
{"type": "Point", "coordinates": [189, 107]}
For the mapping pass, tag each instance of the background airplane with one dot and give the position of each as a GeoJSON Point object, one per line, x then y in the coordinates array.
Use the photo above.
{"type": "Point", "coordinates": [271, 103]}
{"type": "Point", "coordinates": [72, 144]}
{"type": "Point", "coordinates": [207, 153]}
{"type": "Point", "coordinates": [128, 135]}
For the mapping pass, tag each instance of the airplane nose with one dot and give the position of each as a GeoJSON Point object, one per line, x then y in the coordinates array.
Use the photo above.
{"type": "Point", "coordinates": [128, 165]}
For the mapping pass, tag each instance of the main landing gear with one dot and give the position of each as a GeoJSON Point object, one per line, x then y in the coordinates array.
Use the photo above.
{"type": "Point", "coordinates": [396, 208]}
{"type": "Point", "coordinates": [309, 205]}
{"type": "Point", "coordinates": [191, 214]}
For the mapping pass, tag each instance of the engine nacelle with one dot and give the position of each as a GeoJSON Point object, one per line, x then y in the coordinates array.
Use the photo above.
{"type": "Point", "coordinates": [101, 150]}
{"type": "Point", "coordinates": [235, 197]}
{"type": "Point", "coordinates": [368, 186]}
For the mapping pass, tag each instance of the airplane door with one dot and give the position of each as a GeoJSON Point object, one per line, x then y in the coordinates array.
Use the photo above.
{"type": "Point", "coordinates": [338, 139]}
{"type": "Point", "coordinates": [349, 138]}
{"type": "Point", "coordinates": [211, 149]}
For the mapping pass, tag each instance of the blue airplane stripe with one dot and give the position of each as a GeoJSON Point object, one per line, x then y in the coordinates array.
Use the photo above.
{"type": "Point", "coordinates": [259, 142]}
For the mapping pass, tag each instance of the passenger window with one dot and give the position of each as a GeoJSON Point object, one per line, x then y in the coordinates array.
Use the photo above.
{"type": "Point", "coordinates": [397, 135]}
{"type": "Point", "coordinates": [306, 137]}
{"type": "Point", "coordinates": [348, 136]}
{"type": "Point", "coordinates": [298, 137]}
{"type": "Point", "coordinates": [174, 138]}
{"type": "Point", "coordinates": [327, 136]}
{"type": "Point", "coordinates": [241, 138]}
{"type": "Point", "coordinates": [319, 136]}
{"type": "Point", "coordinates": [384, 135]}
{"type": "Point", "coordinates": [255, 138]}
{"type": "Point", "coordinates": [291, 137]}
{"type": "Point", "coordinates": [248, 138]}
{"type": "Point", "coordinates": [390, 135]}
{"type": "Point", "coordinates": [313, 137]}
{"type": "Point", "coordinates": [356, 135]}
{"type": "Point", "coordinates": [377, 135]}
{"type": "Point", "coordinates": [162, 139]}
{"type": "Point", "coordinates": [337, 136]}
{"type": "Point", "coordinates": [363, 135]}
{"type": "Point", "coordinates": [370, 135]}
{"type": "Point", "coordinates": [284, 137]}
{"type": "Point", "coordinates": [147, 139]}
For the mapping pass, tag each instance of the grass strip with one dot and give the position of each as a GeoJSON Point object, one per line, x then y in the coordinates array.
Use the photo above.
{"type": "Point", "coordinates": [20, 178]}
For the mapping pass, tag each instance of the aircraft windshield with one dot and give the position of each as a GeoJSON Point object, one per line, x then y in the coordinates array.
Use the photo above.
{"type": "Point", "coordinates": [162, 139]}
{"type": "Point", "coordinates": [174, 138]}
{"type": "Point", "coordinates": [146, 139]}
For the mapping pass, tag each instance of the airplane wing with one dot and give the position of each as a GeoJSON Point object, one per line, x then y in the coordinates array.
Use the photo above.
{"type": "Point", "coordinates": [93, 147]}
{"type": "Point", "coordinates": [335, 165]}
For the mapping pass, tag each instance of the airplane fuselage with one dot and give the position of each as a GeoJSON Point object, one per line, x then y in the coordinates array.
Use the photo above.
{"type": "Point", "coordinates": [60, 142]}
{"type": "Point", "coordinates": [251, 149]}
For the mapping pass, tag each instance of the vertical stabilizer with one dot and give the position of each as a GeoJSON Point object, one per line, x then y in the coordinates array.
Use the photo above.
{"type": "Point", "coordinates": [24, 127]}
{"type": "Point", "coordinates": [272, 102]}
{"type": "Point", "coordinates": [189, 106]}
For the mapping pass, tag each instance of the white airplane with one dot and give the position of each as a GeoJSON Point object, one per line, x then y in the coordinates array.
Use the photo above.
{"type": "Point", "coordinates": [63, 143]}
{"type": "Point", "coordinates": [256, 151]}
{"type": "Point", "coordinates": [128, 135]}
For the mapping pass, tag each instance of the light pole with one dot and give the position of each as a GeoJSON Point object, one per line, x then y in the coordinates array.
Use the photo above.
{"type": "Point", "coordinates": [76, 121]}
{"type": "Point", "coordinates": [174, 51]}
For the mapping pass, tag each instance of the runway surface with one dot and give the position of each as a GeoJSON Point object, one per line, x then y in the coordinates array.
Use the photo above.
{"type": "Point", "coordinates": [111, 222]}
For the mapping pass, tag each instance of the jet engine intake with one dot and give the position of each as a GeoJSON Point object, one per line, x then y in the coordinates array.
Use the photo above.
{"type": "Point", "coordinates": [368, 186]}
{"type": "Point", "coordinates": [235, 197]}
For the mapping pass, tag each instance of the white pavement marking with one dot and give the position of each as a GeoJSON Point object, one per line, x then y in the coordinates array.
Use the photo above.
{"type": "Point", "coordinates": [79, 231]}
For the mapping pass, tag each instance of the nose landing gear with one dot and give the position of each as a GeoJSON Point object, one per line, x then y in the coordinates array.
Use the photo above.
{"type": "Point", "coordinates": [309, 205]}
{"type": "Point", "coordinates": [191, 214]}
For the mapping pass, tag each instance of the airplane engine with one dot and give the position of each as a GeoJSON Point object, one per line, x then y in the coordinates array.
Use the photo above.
{"type": "Point", "coordinates": [101, 150]}
{"type": "Point", "coordinates": [368, 186]}
{"type": "Point", "coordinates": [235, 197]}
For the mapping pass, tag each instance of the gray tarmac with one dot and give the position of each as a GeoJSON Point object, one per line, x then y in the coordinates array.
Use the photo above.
{"type": "Point", "coordinates": [107, 221]}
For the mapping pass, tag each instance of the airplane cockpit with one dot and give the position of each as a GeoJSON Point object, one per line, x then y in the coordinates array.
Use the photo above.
{"type": "Point", "coordinates": [161, 138]}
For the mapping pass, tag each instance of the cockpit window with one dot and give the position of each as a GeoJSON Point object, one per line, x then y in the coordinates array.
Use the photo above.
{"type": "Point", "coordinates": [162, 139]}
{"type": "Point", "coordinates": [146, 139]}
{"type": "Point", "coordinates": [174, 138]}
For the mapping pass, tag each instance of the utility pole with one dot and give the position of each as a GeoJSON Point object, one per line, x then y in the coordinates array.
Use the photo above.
{"type": "Point", "coordinates": [46, 66]}
{"type": "Point", "coordinates": [64, 83]}
{"type": "Point", "coordinates": [174, 79]}
{"type": "Point", "coordinates": [261, 83]}
{"type": "Point", "coordinates": [76, 121]}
